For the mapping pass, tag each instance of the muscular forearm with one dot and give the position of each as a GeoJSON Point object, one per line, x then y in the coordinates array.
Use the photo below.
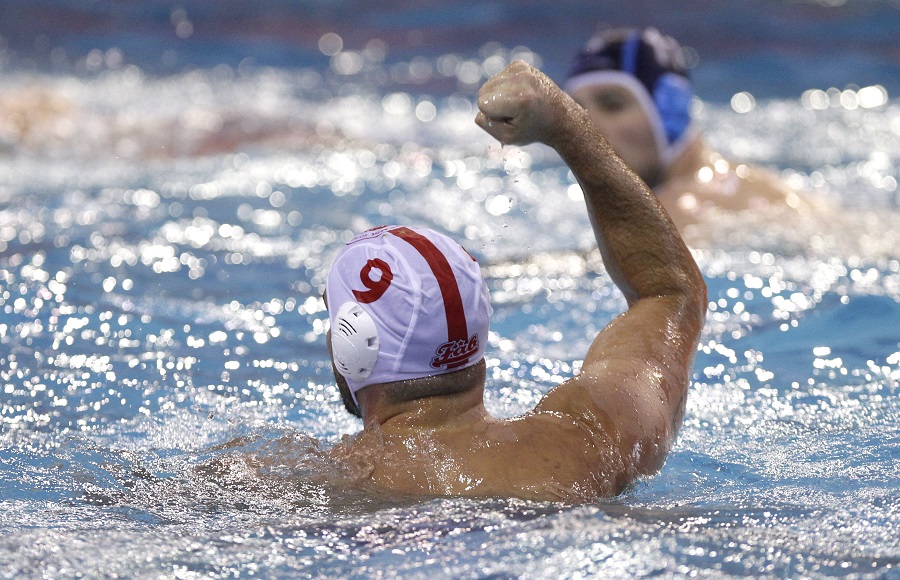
{"type": "Point", "coordinates": [640, 245]}
{"type": "Point", "coordinates": [635, 375]}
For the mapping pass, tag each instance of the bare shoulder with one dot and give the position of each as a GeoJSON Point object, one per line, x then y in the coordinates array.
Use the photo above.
{"type": "Point", "coordinates": [545, 456]}
{"type": "Point", "coordinates": [541, 456]}
{"type": "Point", "coordinates": [552, 456]}
{"type": "Point", "coordinates": [728, 187]}
{"type": "Point", "coordinates": [759, 186]}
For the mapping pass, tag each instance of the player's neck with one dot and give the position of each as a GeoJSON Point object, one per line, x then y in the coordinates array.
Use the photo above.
{"type": "Point", "coordinates": [694, 156]}
{"type": "Point", "coordinates": [426, 413]}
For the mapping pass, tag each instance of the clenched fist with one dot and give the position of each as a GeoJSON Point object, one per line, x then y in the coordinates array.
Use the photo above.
{"type": "Point", "coordinates": [521, 105]}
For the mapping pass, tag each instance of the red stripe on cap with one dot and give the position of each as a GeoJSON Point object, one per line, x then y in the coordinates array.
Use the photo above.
{"type": "Point", "coordinates": [443, 273]}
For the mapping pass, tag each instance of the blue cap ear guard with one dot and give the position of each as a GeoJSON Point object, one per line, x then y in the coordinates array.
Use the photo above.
{"type": "Point", "coordinates": [654, 60]}
{"type": "Point", "coordinates": [672, 95]}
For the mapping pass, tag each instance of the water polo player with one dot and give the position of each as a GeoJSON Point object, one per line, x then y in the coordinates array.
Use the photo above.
{"type": "Point", "coordinates": [636, 88]}
{"type": "Point", "coordinates": [409, 314]}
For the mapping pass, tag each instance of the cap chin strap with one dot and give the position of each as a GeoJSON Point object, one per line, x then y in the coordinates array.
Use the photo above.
{"type": "Point", "coordinates": [354, 342]}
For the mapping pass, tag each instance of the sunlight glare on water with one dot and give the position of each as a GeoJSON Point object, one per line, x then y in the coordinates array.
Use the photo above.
{"type": "Point", "coordinates": [167, 393]}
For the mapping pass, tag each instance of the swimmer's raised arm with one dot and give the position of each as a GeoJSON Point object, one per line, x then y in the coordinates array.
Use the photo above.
{"type": "Point", "coordinates": [633, 383]}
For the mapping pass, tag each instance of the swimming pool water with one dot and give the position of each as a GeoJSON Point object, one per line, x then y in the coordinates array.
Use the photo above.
{"type": "Point", "coordinates": [166, 393]}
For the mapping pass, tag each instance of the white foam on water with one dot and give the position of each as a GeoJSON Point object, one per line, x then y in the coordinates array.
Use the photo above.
{"type": "Point", "coordinates": [163, 243]}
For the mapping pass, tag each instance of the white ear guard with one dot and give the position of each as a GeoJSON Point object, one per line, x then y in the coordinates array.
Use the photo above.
{"type": "Point", "coordinates": [354, 342]}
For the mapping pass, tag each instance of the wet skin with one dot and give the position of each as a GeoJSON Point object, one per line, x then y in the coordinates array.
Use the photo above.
{"type": "Point", "coordinates": [700, 182]}
{"type": "Point", "coordinates": [594, 434]}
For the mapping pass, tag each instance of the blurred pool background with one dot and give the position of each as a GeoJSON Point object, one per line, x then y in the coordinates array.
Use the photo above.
{"type": "Point", "coordinates": [175, 176]}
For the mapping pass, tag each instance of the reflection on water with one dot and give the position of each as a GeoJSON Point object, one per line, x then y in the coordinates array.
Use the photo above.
{"type": "Point", "coordinates": [166, 391]}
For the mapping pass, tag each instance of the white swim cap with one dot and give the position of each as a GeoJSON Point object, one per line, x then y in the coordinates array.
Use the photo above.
{"type": "Point", "coordinates": [405, 303]}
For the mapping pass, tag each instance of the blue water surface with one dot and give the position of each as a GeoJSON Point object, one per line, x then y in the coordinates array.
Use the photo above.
{"type": "Point", "coordinates": [175, 178]}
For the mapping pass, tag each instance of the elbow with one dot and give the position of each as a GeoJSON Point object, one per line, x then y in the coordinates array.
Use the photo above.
{"type": "Point", "coordinates": [700, 299]}
{"type": "Point", "coordinates": [690, 305]}
{"type": "Point", "coordinates": [694, 295]}
{"type": "Point", "coordinates": [691, 298]}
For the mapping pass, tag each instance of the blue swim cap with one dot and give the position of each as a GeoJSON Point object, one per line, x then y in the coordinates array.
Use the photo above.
{"type": "Point", "coordinates": [656, 62]}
